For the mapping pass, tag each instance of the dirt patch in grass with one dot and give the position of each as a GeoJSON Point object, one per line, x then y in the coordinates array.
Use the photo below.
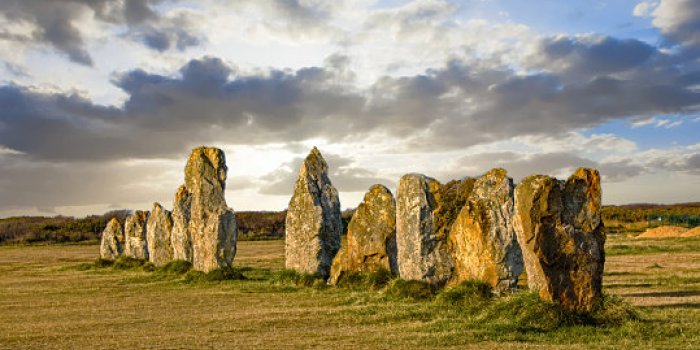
{"type": "Point", "coordinates": [664, 232]}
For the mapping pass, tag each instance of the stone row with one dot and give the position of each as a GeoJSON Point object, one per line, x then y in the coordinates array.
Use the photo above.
{"type": "Point", "coordinates": [201, 228]}
{"type": "Point", "coordinates": [483, 229]}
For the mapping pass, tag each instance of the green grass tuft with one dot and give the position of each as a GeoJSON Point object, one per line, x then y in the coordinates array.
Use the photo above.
{"type": "Point", "coordinates": [149, 267]}
{"type": "Point", "coordinates": [287, 276]}
{"type": "Point", "coordinates": [526, 312]}
{"type": "Point", "coordinates": [467, 293]}
{"type": "Point", "coordinates": [176, 267]}
{"type": "Point", "coordinates": [415, 290]}
{"type": "Point", "coordinates": [368, 280]}
{"type": "Point", "coordinates": [127, 263]}
{"type": "Point", "coordinates": [615, 311]}
{"type": "Point", "coordinates": [101, 263]}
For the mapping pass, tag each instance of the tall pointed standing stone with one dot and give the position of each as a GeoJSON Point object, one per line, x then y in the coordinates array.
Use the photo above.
{"type": "Point", "coordinates": [313, 223]}
{"type": "Point", "coordinates": [181, 238]}
{"type": "Point", "coordinates": [135, 241]}
{"type": "Point", "coordinates": [483, 240]}
{"type": "Point", "coordinates": [422, 251]}
{"type": "Point", "coordinates": [212, 224]}
{"type": "Point", "coordinates": [158, 229]}
{"type": "Point", "coordinates": [561, 234]}
{"type": "Point", "coordinates": [371, 237]}
{"type": "Point", "coordinates": [112, 244]}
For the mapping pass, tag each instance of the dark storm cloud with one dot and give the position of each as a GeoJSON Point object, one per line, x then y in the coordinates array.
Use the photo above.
{"type": "Point", "coordinates": [460, 106]}
{"type": "Point", "coordinates": [259, 108]}
{"type": "Point", "coordinates": [686, 163]}
{"type": "Point", "coordinates": [581, 57]}
{"type": "Point", "coordinates": [453, 107]}
{"type": "Point", "coordinates": [163, 40]}
{"type": "Point", "coordinates": [47, 184]}
{"type": "Point", "coordinates": [553, 164]}
{"type": "Point", "coordinates": [63, 127]}
{"type": "Point", "coordinates": [56, 23]}
{"type": "Point", "coordinates": [167, 115]}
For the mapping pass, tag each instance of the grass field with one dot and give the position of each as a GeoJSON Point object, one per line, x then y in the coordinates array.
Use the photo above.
{"type": "Point", "coordinates": [49, 299]}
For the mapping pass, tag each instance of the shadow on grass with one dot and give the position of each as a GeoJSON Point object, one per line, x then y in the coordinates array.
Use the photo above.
{"type": "Point", "coordinates": [176, 270]}
{"type": "Point", "coordinates": [668, 294]}
{"type": "Point", "coordinates": [471, 304]}
{"type": "Point", "coordinates": [674, 306]}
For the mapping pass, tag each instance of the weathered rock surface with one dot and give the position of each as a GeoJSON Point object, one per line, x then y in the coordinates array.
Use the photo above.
{"type": "Point", "coordinates": [371, 237]}
{"type": "Point", "coordinates": [135, 241]}
{"type": "Point", "coordinates": [482, 239]}
{"type": "Point", "coordinates": [212, 224]}
{"type": "Point", "coordinates": [158, 229]}
{"type": "Point", "coordinates": [181, 239]}
{"type": "Point", "coordinates": [421, 245]}
{"type": "Point", "coordinates": [561, 234]}
{"type": "Point", "coordinates": [451, 198]}
{"type": "Point", "coordinates": [112, 242]}
{"type": "Point", "coordinates": [313, 223]}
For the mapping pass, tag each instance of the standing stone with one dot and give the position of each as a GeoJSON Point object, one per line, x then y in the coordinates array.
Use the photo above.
{"type": "Point", "coordinates": [422, 252]}
{"type": "Point", "coordinates": [180, 238]}
{"type": "Point", "coordinates": [313, 224]}
{"type": "Point", "coordinates": [561, 234]}
{"type": "Point", "coordinates": [112, 242]}
{"type": "Point", "coordinates": [135, 241]}
{"type": "Point", "coordinates": [212, 224]}
{"type": "Point", "coordinates": [371, 237]}
{"type": "Point", "coordinates": [158, 229]}
{"type": "Point", "coordinates": [483, 240]}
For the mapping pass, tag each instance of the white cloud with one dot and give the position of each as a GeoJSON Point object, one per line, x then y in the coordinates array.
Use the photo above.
{"type": "Point", "coordinates": [8, 151]}
{"type": "Point", "coordinates": [644, 8]}
{"type": "Point", "coordinates": [668, 123]}
{"type": "Point", "coordinates": [643, 122]}
{"type": "Point", "coordinates": [678, 20]}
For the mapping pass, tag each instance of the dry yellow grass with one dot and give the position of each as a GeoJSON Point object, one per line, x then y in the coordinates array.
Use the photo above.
{"type": "Point", "coordinates": [46, 303]}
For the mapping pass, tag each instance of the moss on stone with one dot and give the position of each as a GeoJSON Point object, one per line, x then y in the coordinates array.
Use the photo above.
{"type": "Point", "coordinates": [451, 198]}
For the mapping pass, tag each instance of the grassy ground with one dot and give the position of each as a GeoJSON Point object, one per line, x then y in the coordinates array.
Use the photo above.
{"type": "Point", "coordinates": [50, 299]}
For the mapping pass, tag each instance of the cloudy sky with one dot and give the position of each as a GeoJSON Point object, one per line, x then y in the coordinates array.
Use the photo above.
{"type": "Point", "coordinates": [101, 100]}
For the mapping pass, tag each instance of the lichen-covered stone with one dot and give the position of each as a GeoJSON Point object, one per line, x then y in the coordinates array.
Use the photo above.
{"type": "Point", "coordinates": [451, 198]}
{"type": "Point", "coordinates": [158, 228]}
{"type": "Point", "coordinates": [371, 237]}
{"type": "Point", "coordinates": [313, 223]}
{"type": "Point", "coordinates": [212, 224]}
{"type": "Point", "coordinates": [180, 238]}
{"type": "Point", "coordinates": [561, 234]}
{"type": "Point", "coordinates": [135, 240]}
{"type": "Point", "coordinates": [422, 251]}
{"type": "Point", "coordinates": [112, 242]}
{"type": "Point", "coordinates": [482, 239]}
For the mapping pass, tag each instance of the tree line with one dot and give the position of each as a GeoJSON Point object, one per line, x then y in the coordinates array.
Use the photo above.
{"type": "Point", "coordinates": [259, 225]}
{"type": "Point", "coordinates": [684, 214]}
{"type": "Point", "coordinates": [252, 225]}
